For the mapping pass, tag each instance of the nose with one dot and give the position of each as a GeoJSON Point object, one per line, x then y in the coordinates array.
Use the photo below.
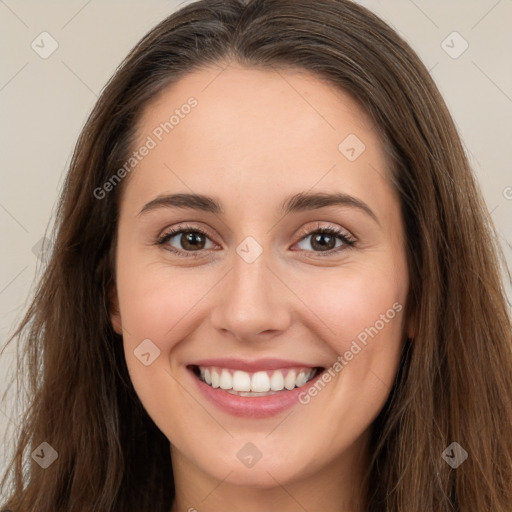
{"type": "Point", "coordinates": [254, 304]}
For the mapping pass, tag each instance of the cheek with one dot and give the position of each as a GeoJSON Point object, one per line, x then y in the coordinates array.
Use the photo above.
{"type": "Point", "coordinates": [164, 305]}
{"type": "Point", "coordinates": [358, 303]}
{"type": "Point", "coordinates": [156, 298]}
{"type": "Point", "coordinates": [360, 313]}
{"type": "Point", "coordinates": [157, 315]}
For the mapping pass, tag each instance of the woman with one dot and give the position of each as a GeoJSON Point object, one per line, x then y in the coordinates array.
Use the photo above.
{"type": "Point", "coordinates": [274, 283]}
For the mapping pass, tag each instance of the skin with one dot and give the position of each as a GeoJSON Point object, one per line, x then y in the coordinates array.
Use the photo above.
{"type": "Point", "coordinates": [256, 137]}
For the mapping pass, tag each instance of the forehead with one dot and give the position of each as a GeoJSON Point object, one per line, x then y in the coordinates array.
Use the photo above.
{"type": "Point", "coordinates": [258, 129]}
{"type": "Point", "coordinates": [269, 97]}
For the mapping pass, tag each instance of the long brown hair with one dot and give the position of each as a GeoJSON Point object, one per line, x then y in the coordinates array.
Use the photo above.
{"type": "Point", "coordinates": [455, 379]}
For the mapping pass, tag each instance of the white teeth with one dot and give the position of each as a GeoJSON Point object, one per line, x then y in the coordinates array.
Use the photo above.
{"type": "Point", "coordinates": [289, 381]}
{"type": "Point", "coordinates": [226, 381]}
{"type": "Point", "coordinates": [301, 379]}
{"type": "Point", "coordinates": [241, 381]}
{"type": "Point", "coordinates": [277, 381]}
{"type": "Point", "coordinates": [261, 382]}
{"type": "Point", "coordinates": [215, 379]}
{"type": "Point", "coordinates": [250, 393]}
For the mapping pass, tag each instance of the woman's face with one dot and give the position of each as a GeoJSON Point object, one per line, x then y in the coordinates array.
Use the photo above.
{"type": "Point", "coordinates": [262, 300]}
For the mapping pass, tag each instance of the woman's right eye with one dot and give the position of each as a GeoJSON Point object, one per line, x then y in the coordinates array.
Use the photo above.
{"type": "Point", "coordinates": [187, 237]}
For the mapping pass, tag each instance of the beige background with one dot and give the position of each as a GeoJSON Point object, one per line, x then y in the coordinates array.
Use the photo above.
{"type": "Point", "coordinates": [44, 103]}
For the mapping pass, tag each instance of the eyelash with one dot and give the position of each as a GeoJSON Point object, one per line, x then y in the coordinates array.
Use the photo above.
{"type": "Point", "coordinates": [348, 241]}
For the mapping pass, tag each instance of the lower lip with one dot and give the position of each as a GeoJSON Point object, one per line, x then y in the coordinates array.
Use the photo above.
{"type": "Point", "coordinates": [252, 406]}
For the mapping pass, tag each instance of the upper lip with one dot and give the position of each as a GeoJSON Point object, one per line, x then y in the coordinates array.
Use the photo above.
{"type": "Point", "coordinates": [252, 365]}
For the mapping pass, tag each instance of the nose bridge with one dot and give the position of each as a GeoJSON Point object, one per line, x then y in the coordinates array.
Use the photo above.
{"type": "Point", "coordinates": [253, 301]}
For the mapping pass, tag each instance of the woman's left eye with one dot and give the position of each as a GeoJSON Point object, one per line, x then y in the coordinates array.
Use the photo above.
{"type": "Point", "coordinates": [194, 240]}
{"type": "Point", "coordinates": [326, 238]}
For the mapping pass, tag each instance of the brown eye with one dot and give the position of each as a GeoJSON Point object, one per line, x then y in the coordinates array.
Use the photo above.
{"type": "Point", "coordinates": [190, 240]}
{"type": "Point", "coordinates": [324, 240]}
{"type": "Point", "coordinates": [183, 240]}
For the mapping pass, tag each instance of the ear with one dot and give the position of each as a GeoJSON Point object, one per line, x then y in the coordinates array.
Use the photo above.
{"type": "Point", "coordinates": [115, 314]}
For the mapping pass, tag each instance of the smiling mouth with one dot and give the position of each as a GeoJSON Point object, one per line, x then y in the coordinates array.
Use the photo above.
{"type": "Point", "coordinates": [253, 384]}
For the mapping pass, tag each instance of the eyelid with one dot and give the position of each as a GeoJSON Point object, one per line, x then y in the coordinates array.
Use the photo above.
{"type": "Point", "coordinates": [306, 231]}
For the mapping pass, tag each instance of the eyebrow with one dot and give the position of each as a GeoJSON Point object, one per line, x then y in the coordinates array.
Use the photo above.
{"type": "Point", "coordinates": [300, 202]}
